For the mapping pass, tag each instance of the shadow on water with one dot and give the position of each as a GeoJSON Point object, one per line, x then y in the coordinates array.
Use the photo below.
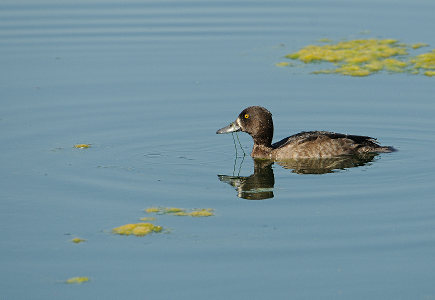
{"type": "Point", "coordinates": [259, 186]}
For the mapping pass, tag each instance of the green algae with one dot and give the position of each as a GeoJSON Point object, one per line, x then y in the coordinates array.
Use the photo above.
{"type": "Point", "coordinates": [364, 57]}
{"type": "Point", "coordinates": [138, 229]}
{"type": "Point", "coordinates": [75, 280]}
{"type": "Point", "coordinates": [419, 45]}
{"type": "Point", "coordinates": [146, 228]}
{"type": "Point", "coordinates": [283, 64]}
{"type": "Point", "coordinates": [175, 211]}
{"type": "Point", "coordinates": [148, 219]}
{"type": "Point", "coordinates": [78, 240]}
{"type": "Point", "coordinates": [82, 146]}
{"type": "Point", "coordinates": [425, 63]}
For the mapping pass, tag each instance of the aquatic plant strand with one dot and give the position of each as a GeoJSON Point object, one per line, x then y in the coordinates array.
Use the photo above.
{"type": "Point", "coordinates": [243, 157]}
{"type": "Point", "coordinates": [240, 144]}
{"type": "Point", "coordinates": [234, 141]}
{"type": "Point", "coordinates": [240, 166]}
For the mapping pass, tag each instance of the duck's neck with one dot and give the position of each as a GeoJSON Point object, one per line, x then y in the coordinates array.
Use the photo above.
{"type": "Point", "coordinates": [262, 146]}
{"type": "Point", "coordinates": [265, 135]}
{"type": "Point", "coordinates": [263, 140]}
{"type": "Point", "coordinates": [261, 151]}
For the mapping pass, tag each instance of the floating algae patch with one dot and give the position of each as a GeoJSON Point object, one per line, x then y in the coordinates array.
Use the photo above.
{"type": "Point", "coordinates": [283, 64]}
{"type": "Point", "coordinates": [419, 45]}
{"type": "Point", "coordinates": [203, 212]}
{"type": "Point", "coordinates": [175, 211]}
{"type": "Point", "coordinates": [148, 219]}
{"type": "Point", "coordinates": [354, 51]}
{"type": "Point", "coordinates": [152, 210]}
{"type": "Point", "coordinates": [206, 212]}
{"type": "Point", "coordinates": [172, 210]}
{"type": "Point", "coordinates": [78, 240]}
{"type": "Point", "coordinates": [73, 280]}
{"type": "Point", "coordinates": [82, 146]}
{"type": "Point", "coordinates": [138, 229]}
{"type": "Point", "coordinates": [425, 63]}
{"type": "Point", "coordinates": [364, 57]}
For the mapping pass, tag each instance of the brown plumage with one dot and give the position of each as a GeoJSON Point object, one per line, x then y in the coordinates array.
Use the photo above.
{"type": "Point", "coordinates": [257, 121]}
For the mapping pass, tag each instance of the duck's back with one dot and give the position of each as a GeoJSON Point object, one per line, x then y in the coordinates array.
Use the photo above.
{"type": "Point", "coordinates": [324, 144]}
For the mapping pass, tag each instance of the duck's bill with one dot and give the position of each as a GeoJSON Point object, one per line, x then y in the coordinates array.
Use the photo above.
{"type": "Point", "coordinates": [233, 127]}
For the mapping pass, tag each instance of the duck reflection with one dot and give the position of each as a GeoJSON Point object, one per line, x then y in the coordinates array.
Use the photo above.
{"type": "Point", "coordinates": [326, 165]}
{"type": "Point", "coordinates": [259, 186]}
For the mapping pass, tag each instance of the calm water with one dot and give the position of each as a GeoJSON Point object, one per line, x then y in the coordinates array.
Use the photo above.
{"type": "Point", "coordinates": [148, 84]}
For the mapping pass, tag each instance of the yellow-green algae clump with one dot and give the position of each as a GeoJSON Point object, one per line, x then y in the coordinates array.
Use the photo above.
{"type": "Point", "coordinates": [77, 280]}
{"type": "Point", "coordinates": [82, 146]}
{"type": "Point", "coordinates": [425, 62]}
{"type": "Point", "coordinates": [78, 240]}
{"type": "Point", "coordinates": [364, 57]}
{"type": "Point", "coordinates": [175, 211]}
{"type": "Point", "coordinates": [148, 219]}
{"type": "Point", "coordinates": [138, 229]}
{"type": "Point", "coordinates": [283, 64]}
{"type": "Point", "coordinates": [205, 212]}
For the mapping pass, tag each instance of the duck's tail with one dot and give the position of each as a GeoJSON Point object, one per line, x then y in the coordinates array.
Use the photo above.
{"type": "Point", "coordinates": [385, 149]}
{"type": "Point", "coordinates": [376, 149]}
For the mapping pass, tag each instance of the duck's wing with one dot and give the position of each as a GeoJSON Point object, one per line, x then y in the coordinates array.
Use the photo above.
{"type": "Point", "coordinates": [361, 143]}
{"type": "Point", "coordinates": [303, 137]}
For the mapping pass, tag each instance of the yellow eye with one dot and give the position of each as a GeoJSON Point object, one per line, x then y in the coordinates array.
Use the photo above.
{"type": "Point", "coordinates": [246, 116]}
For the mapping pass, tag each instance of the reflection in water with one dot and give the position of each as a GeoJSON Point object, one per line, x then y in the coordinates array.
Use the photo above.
{"type": "Point", "coordinates": [259, 186]}
{"type": "Point", "coordinates": [326, 165]}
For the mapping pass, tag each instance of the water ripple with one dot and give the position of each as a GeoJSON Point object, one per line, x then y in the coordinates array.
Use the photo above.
{"type": "Point", "coordinates": [102, 22]}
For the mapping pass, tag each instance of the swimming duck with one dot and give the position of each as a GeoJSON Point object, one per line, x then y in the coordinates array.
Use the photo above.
{"type": "Point", "coordinates": [257, 122]}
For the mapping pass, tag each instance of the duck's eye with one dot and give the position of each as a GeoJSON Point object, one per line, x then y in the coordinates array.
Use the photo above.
{"type": "Point", "coordinates": [246, 116]}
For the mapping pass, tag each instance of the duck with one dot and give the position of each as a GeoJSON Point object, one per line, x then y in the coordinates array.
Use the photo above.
{"type": "Point", "coordinates": [257, 122]}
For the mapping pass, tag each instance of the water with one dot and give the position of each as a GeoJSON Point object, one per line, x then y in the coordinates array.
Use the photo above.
{"type": "Point", "coordinates": [147, 85]}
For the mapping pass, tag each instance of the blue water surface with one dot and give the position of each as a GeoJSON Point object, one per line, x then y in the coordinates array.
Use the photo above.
{"type": "Point", "coordinates": [147, 84]}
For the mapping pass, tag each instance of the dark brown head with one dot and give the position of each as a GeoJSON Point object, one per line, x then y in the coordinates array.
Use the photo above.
{"type": "Point", "coordinates": [255, 120]}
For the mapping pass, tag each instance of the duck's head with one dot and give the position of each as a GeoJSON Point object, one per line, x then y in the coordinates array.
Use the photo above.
{"type": "Point", "coordinates": [255, 120]}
